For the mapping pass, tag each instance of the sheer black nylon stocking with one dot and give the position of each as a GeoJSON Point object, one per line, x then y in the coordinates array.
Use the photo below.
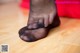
{"type": "Point", "coordinates": [43, 17]}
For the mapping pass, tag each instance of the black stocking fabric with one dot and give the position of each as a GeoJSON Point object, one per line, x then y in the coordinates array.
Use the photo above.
{"type": "Point", "coordinates": [43, 17]}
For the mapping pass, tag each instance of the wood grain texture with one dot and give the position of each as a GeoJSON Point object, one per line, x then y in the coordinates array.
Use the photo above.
{"type": "Point", "coordinates": [63, 39]}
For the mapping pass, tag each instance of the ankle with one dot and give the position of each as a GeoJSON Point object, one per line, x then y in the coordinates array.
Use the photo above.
{"type": "Point", "coordinates": [41, 2]}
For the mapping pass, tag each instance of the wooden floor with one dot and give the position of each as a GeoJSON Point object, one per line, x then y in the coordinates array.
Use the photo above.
{"type": "Point", "coordinates": [63, 39]}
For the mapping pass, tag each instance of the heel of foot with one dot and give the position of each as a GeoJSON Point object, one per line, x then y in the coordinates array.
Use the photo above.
{"type": "Point", "coordinates": [56, 23]}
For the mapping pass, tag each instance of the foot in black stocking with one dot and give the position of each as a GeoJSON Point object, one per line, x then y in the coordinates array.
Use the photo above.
{"type": "Point", "coordinates": [43, 17]}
